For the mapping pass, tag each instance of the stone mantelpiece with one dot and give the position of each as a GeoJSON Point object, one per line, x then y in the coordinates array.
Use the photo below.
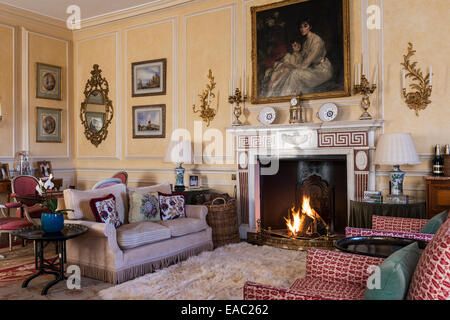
{"type": "Point", "coordinates": [355, 139]}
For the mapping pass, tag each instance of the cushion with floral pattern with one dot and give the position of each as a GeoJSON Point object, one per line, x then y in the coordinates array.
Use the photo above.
{"type": "Point", "coordinates": [144, 207]}
{"type": "Point", "coordinates": [172, 206]}
{"type": "Point", "coordinates": [105, 210]}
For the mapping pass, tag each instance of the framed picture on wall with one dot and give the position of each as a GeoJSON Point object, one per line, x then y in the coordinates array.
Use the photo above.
{"type": "Point", "coordinates": [48, 126]}
{"type": "Point", "coordinates": [300, 47]}
{"type": "Point", "coordinates": [4, 171]}
{"type": "Point", "coordinates": [149, 121]}
{"type": "Point", "coordinates": [149, 78]}
{"type": "Point", "coordinates": [48, 81]}
{"type": "Point", "coordinates": [44, 169]}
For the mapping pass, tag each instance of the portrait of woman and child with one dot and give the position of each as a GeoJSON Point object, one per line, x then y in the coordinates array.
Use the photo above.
{"type": "Point", "coordinates": [293, 57]}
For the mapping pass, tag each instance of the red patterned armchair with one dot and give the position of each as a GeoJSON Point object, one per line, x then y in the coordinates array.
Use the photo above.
{"type": "Point", "coordinates": [392, 227]}
{"type": "Point", "coordinates": [329, 276]}
{"type": "Point", "coordinates": [343, 276]}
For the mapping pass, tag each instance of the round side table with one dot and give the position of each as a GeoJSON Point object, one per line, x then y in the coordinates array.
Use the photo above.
{"type": "Point", "coordinates": [54, 266]}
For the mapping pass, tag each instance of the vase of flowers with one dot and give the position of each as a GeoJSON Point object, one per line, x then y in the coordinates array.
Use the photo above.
{"type": "Point", "coordinates": [53, 219]}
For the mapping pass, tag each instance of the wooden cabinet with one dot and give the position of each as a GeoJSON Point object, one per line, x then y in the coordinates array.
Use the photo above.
{"type": "Point", "coordinates": [5, 187]}
{"type": "Point", "coordinates": [438, 195]}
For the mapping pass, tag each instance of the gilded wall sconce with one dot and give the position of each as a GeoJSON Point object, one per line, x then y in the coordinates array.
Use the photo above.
{"type": "Point", "coordinates": [206, 112]}
{"type": "Point", "coordinates": [419, 99]}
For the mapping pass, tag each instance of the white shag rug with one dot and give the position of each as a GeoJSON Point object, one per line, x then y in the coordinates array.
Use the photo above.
{"type": "Point", "coordinates": [215, 275]}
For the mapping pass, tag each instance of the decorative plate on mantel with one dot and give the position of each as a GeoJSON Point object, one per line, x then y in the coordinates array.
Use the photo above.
{"type": "Point", "coordinates": [328, 112]}
{"type": "Point", "coordinates": [267, 115]}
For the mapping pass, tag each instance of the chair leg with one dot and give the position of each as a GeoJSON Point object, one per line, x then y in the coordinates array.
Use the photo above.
{"type": "Point", "coordinates": [10, 241]}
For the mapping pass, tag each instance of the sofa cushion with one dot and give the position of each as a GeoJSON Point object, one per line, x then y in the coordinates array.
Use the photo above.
{"type": "Point", "coordinates": [105, 210]}
{"type": "Point", "coordinates": [433, 225]}
{"type": "Point", "coordinates": [163, 187]}
{"type": "Point", "coordinates": [431, 279]}
{"type": "Point", "coordinates": [172, 206]}
{"type": "Point", "coordinates": [182, 226]}
{"type": "Point", "coordinates": [396, 273]}
{"type": "Point", "coordinates": [144, 207]}
{"type": "Point", "coordinates": [78, 201]}
{"type": "Point", "coordinates": [141, 233]}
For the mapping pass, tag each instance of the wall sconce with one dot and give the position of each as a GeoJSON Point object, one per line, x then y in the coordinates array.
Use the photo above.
{"type": "Point", "coordinates": [206, 112]}
{"type": "Point", "coordinates": [419, 99]}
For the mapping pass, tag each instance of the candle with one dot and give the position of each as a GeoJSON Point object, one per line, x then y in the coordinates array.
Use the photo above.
{"type": "Point", "coordinates": [431, 75]}
{"type": "Point", "coordinates": [356, 74]}
{"type": "Point", "coordinates": [404, 79]}
{"type": "Point", "coordinates": [0, 109]}
{"type": "Point", "coordinates": [245, 84]}
{"type": "Point", "coordinates": [193, 97]}
{"type": "Point", "coordinates": [375, 75]}
{"type": "Point", "coordinates": [209, 96]}
{"type": "Point", "coordinates": [359, 74]}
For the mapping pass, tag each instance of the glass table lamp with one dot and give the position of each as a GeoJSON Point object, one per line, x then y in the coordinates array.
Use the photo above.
{"type": "Point", "coordinates": [179, 152]}
{"type": "Point", "coordinates": [396, 149]}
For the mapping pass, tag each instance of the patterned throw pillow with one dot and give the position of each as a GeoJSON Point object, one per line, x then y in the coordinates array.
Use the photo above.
{"type": "Point", "coordinates": [144, 207]}
{"type": "Point", "coordinates": [172, 206]}
{"type": "Point", "coordinates": [105, 210]}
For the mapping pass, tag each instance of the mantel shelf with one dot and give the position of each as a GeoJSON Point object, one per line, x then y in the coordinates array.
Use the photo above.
{"type": "Point", "coordinates": [364, 125]}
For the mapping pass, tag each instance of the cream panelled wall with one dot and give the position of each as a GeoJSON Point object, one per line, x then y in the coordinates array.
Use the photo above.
{"type": "Point", "coordinates": [216, 35]}
{"type": "Point", "coordinates": [25, 39]}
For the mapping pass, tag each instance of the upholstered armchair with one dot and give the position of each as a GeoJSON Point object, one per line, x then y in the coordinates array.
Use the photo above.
{"type": "Point", "coordinates": [392, 227]}
{"type": "Point", "coordinates": [407, 273]}
{"type": "Point", "coordinates": [330, 275]}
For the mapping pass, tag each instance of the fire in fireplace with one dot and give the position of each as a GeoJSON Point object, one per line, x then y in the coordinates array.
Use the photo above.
{"type": "Point", "coordinates": [304, 221]}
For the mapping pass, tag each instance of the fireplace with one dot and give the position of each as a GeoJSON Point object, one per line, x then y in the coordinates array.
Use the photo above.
{"type": "Point", "coordinates": [320, 179]}
{"type": "Point", "coordinates": [346, 146]}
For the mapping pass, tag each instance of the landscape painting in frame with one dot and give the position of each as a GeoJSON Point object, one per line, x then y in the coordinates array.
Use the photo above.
{"type": "Point", "coordinates": [300, 47]}
{"type": "Point", "coordinates": [149, 78]}
{"type": "Point", "coordinates": [48, 125]}
{"type": "Point", "coordinates": [48, 84]}
{"type": "Point", "coordinates": [149, 121]}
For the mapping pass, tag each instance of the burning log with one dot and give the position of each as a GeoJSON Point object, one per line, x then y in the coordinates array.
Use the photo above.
{"type": "Point", "coordinates": [304, 220]}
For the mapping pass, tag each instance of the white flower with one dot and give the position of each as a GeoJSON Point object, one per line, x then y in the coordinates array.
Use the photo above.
{"type": "Point", "coordinates": [49, 184]}
{"type": "Point", "coordinates": [39, 190]}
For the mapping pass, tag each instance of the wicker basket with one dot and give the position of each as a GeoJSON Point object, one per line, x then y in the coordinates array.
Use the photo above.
{"type": "Point", "coordinates": [222, 218]}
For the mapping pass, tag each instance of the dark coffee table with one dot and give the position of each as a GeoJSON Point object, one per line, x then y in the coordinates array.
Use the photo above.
{"type": "Point", "coordinates": [54, 266]}
{"type": "Point", "coordinates": [381, 247]}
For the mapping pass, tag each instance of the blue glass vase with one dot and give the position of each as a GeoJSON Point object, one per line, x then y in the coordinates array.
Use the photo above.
{"type": "Point", "coordinates": [52, 222]}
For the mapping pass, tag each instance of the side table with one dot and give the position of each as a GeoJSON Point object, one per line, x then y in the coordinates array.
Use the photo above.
{"type": "Point", "coordinates": [361, 212]}
{"type": "Point", "coordinates": [190, 194]}
{"type": "Point", "coordinates": [54, 266]}
{"type": "Point", "coordinates": [438, 195]}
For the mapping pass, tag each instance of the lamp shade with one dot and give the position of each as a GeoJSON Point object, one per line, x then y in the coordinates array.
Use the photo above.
{"type": "Point", "coordinates": [179, 151]}
{"type": "Point", "coordinates": [396, 149]}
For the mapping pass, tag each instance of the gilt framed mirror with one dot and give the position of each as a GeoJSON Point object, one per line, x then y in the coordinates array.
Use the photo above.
{"type": "Point", "coordinates": [96, 110]}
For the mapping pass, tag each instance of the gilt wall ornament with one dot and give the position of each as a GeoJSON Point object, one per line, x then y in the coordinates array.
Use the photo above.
{"type": "Point", "coordinates": [420, 98]}
{"type": "Point", "coordinates": [96, 110]}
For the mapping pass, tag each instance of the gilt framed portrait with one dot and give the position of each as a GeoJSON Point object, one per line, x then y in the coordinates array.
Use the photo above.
{"type": "Point", "coordinates": [149, 121]}
{"type": "Point", "coordinates": [48, 125]}
{"type": "Point", "coordinates": [48, 81]}
{"type": "Point", "coordinates": [149, 78]}
{"type": "Point", "coordinates": [300, 47]}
